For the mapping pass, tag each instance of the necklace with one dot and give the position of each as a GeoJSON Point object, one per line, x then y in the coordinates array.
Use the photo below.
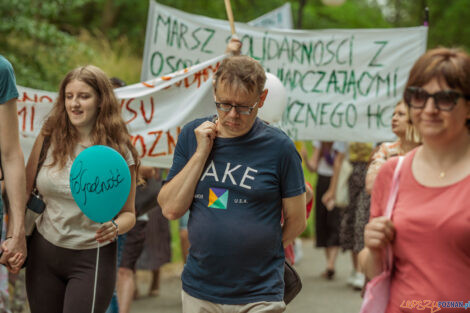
{"type": "Point", "coordinates": [442, 174]}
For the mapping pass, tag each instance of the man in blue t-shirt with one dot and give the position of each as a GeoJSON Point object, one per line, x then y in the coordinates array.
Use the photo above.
{"type": "Point", "coordinates": [14, 246]}
{"type": "Point", "coordinates": [236, 174]}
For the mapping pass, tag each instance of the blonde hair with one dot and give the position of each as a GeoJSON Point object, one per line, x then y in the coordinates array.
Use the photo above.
{"type": "Point", "coordinates": [411, 132]}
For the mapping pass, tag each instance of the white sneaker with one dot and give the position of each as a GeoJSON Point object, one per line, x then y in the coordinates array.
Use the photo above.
{"type": "Point", "coordinates": [351, 278]}
{"type": "Point", "coordinates": [359, 281]}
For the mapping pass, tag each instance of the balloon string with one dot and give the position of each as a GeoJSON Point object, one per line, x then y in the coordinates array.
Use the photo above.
{"type": "Point", "coordinates": [96, 277]}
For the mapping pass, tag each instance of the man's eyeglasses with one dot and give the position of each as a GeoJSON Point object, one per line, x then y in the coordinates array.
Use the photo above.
{"type": "Point", "coordinates": [241, 109]}
{"type": "Point", "coordinates": [444, 100]}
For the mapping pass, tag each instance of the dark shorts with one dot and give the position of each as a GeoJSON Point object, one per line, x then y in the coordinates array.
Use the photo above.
{"type": "Point", "coordinates": [133, 245]}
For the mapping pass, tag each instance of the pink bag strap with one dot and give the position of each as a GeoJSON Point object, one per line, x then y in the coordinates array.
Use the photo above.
{"type": "Point", "coordinates": [388, 260]}
{"type": "Point", "coordinates": [394, 189]}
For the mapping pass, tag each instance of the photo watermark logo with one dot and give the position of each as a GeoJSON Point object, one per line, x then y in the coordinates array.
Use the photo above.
{"type": "Point", "coordinates": [433, 306]}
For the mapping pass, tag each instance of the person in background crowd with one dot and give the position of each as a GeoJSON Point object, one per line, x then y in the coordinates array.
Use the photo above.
{"type": "Point", "coordinates": [145, 202]}
{"type": "Point", "coordinates": [13, 170]}
{"type": "Point", "coordinates": [327, 218]}
{"type": "Point", "coordinates": [117, 82]}
{"type": "Point", "coordinates": [157, 246]}
{"type": "Point", "coordinates": [408, 139]}
{"type": "Point", "coordinates": [358, 154]}
{"type": "Point", "coordinates": [61, 268]}
{"type": "Point", "coordinates": [429, 232]}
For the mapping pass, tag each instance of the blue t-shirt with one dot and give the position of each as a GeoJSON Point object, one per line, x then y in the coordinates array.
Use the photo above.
{"type": "Point", "coordinates": [236, 254]}
{"type": "Point", "coordinates": [7, 81]}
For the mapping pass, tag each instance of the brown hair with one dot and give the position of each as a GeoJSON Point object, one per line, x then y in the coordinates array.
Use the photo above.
{"type": "Point", "coordinates": [109, 128]}
{"type": "Point", "coordinates": [451, 66]}
{"type": "Point", "coordinates": [242, 73]}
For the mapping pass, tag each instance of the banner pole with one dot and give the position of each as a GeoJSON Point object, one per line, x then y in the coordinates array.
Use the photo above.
{"type": "Point", "coordinates": [426, 16]}
{"type": "Point", "coordinates": [228, 7]}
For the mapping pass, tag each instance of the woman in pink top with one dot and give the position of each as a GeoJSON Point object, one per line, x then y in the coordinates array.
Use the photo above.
{"type": "Point", "coordinates": [430, 228]}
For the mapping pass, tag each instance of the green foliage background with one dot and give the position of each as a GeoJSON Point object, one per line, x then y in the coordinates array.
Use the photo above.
{"type": "Point", "coordinates": [45, 39]}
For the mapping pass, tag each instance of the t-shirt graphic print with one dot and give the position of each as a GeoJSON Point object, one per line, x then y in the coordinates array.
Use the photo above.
{"type": "Point", "coordinates": [218, 198]}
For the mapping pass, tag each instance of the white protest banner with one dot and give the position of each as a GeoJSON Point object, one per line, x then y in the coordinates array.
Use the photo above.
{"type": "Point", "coordinates": [154, 111]}
{"type": "Point", "coordinates": [342, 84]}
{"type": "Point", "coordinates": [278, 18]}
{"type": "Point", "coordinates": [33, 106]}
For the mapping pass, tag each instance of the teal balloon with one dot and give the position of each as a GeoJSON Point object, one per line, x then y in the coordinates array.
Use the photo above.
{"type": "Point", "coordinates": [100, 182]}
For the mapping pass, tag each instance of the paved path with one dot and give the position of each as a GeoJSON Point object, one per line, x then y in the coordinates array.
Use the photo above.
{"type": "Point", "coordinates": [317, 295]}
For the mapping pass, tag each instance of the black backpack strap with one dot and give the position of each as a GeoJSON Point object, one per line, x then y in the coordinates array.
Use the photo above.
{"type": "Point", "coordinates": [1, 168]}
{"type": "Point", "coordinates": [42, 157]}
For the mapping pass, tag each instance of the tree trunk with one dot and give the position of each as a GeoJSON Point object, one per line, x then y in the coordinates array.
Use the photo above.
{"type": "Point", "coordinates": [109, 15]}
{"type": "Point", "coordinates": [300, 13]}
{"type": "Point", "coordinates": [396, 18]}
{"type": "Point", "coordinates": [423, 12]}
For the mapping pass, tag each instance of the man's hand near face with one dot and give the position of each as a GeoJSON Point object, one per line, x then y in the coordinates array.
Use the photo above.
{"type": "Point", "coordinates": [205, 135]}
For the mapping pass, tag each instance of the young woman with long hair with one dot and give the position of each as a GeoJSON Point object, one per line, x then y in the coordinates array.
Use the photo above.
{"type": "Point", "coordinates": [62, 252]}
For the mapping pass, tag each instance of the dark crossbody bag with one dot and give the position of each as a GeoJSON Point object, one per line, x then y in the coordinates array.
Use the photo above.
{"type": "Point", "coordinates": [35, 205]}
{"type": "Point", "coordinates": [292, 283]}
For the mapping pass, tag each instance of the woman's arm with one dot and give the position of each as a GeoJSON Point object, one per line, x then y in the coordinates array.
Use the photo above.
{"type": "Point", "coordinates": [378, 159]}
{"type": "Point", "coordinates": [308, 193]}
{"type": "Point", "coordinates": [311, 163]}
{"type": "Point", "coordinates": [378, 234]}
{"type": "Point", "coordinates": [370, 263]}
{"type": "Point", "coordinates": [125, 220]}
{"type": "Point", "coordinates": [330, 194]}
